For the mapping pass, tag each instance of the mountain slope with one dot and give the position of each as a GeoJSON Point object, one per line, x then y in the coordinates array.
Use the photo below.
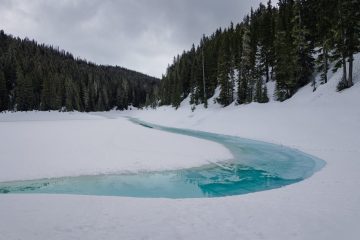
{"type": "Point", "coordinates": [287, 42]}
{"type": "Point", "coordinates": [38, 77]}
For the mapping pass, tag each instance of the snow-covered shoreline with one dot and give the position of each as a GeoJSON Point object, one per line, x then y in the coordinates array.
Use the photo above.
{"type": "Point", "coordinates": [37, 145]}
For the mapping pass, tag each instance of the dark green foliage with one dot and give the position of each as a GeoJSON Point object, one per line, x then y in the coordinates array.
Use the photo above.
{"type": "Point", "coordinates": [265, 97]}
{"type": "Point", "coordinates": [293, 49]}
{"type": "Point", "coordinates": [346, 31]}
{"type": "Point", "coordinates": [24, 94]}
{"type": "Point", "coordinates": [245, 74]}
{"type": "Point", "coordinates": [323, 35]}
{"type": "Point", "coordinates": [303, 48]}
{"type": "Point", "coordinates": [284, 67]}
{"type": "Point", "coordinates": [273, 43]}
{"type": "Point", "coordinates": [40, 77]}
{"type": "Point", "coordinates": [4, 96]}
{"type": "Point", "coordinates": [342, 85]}
{"type": "Point", "coordinates": [226, 72]}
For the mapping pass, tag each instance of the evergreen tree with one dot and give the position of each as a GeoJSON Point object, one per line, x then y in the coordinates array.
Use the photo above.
{"type": "Point", "coordinates": [24, 92]}
{"type": "Point", "coordinates": [177, 89]}
{"type": "Point", "coordinates": [4, 98]}
{"type": "Point", "coordinates": [69, 95]}
{"type": "Point", "coordinates": [245, 77]}
{"type": "Point", "coordinates": [204, 85]}
{"type": "Point", "coordinates": [324, 36]}
{"type": "Point", "coordinates": [224, 68]}
{"type": "Point", "coordinates": [46, 95]}
{"type": "Point", "coordinates": [265, 97]}
{"type": "Point", "coordinates": [283, 67]}
{"type": "Point", "coordinates": [303, 49]}
{"type": "Point", "coordinates": [347, 42]}
{"type": "Point", "coordinates": [196, 78]}
{"type": "Point", "coordinates": [351, 20]}
{"type": "Point", "coordinates": [265, 38]}
{"type": "Point", "coordinates": [258, 75]}
{"type": "Point", "coordinates": [86, 98]}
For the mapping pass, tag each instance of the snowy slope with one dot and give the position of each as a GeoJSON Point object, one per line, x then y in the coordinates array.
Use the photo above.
{"type": "Point", "coordinates": [308, 118]}
{"type": "Point", "coordinates": [323, 207]}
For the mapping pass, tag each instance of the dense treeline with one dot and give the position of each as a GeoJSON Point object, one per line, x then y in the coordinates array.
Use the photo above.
{"type": "Point", "coordinates": [287, 43]}
{"type": "Point", "coordinates": [40, 77]}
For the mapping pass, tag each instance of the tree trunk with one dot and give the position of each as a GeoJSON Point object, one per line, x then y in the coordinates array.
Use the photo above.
{"type": "Point", "coordinates": [325, 65]}
{"type": "Point", "coordinates": [203, 75]}
{"type": "Point", "coordinates": [314, 84]}
{"type": "Point", "coordinates": [343, 42]}
{"type": "Point", "coordinates": [344, 79]}
{"type": "Point", "coordinates": [350, 80]}
{"type": "Point", "coordinates": [267, 72]}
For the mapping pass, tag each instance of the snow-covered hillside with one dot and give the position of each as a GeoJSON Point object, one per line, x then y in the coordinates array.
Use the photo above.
{"type": "Point", "coordinates": [306, 120]}
{"type": "Point", "coordinates": [324, 123]}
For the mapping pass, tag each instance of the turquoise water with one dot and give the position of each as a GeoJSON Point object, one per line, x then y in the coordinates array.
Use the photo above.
{"type": "Point", "coordinates": [257, 166]}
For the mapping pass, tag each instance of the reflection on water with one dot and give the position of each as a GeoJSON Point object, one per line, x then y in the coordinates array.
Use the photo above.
{"type": "Point", "coordinates": [256, 166]}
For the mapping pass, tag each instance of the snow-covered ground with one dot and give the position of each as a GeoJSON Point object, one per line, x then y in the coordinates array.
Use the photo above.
{"type": "Point", "coordinates": [51, 144]}
{"type": "Point", "coordinates": [325, 206]}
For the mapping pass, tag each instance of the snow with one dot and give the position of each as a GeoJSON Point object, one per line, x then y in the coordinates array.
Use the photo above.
{"type": "Point", "coordinates": [324, 123]}
{"type": "Point", "coordinates": [271, 90]}
{"type": "Point", "coordinates": [51, 144]}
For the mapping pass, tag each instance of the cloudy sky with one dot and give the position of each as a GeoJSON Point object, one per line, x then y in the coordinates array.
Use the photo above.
{"type": "Point", "coordinates": [142, 35]}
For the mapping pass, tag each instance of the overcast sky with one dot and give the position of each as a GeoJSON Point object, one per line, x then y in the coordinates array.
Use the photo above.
{"type": "Point", "coordinates": [142, 35]}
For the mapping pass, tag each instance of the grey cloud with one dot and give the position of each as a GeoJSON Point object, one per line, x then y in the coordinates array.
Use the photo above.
{"type": "Point", "coordinates": [142, 35]}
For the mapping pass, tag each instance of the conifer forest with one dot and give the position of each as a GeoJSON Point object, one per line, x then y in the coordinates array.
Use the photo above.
{"type": "Point", "coordinates": [288, 42]}
{"type": "Point", "coordinates": [41, 77]}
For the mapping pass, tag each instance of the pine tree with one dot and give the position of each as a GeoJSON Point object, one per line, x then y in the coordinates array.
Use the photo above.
{"type": "Point", "coordinates": [266, 38]}
{"type": "Point", "coordinates": [58, 89]}
{"type": "Point", "coordinates": [224, 69]}
{"type": "Point", "coordinates": [122, 96]}
{"type": "Point", "coordinates": [265, 97]}
{"type": "Point", "coordinates": [303, 51]}
{"type": "Point", "coordinates": [24, 92]}
{"type": "Point", "coordinates": [4, 97]}
{"type": "Point", "coordinates": [86, 98]}
{"type": "Point", "coordinates": [284, 68]}
{"type": "Point", "coordinates": [69, 95]}
{"type": "Point", "coordinates": [196, 78]}
{"type": "Point", "coordinates": [204, 97]}
{"type": "Point", "coordinates": [258, 73]}
{"type": "Point", "coordinates": [324, 36]}
{"type": "Point", "coordinates": [347, 42]}
{"type": "Point", "coordinates": [232, 78]}
{"type": "Point", "coordinates": [177, 89]}
{"type": "Point", "coordinates": [246, 65]}
{"type": "Point", "coordinates": [46, 95]}
{"type": "Point", "coordinates": [352, 33]}
{"type": "Point", "coordinates": [322, 62]}
{"type": "Point", "coordinates": [285, 52]}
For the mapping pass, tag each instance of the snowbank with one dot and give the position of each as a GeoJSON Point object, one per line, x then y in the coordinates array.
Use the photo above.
{"type": "Point", "coordinates": [51, 144]}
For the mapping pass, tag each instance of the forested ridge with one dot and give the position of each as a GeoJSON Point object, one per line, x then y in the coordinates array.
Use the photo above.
{"type": "Point", "coordinates": [288, 43]}
{"type": "Point", "coordinates": [40, 77]}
